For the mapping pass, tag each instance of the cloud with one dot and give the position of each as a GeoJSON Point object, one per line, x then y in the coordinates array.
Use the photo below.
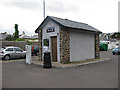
{"type": "Point", "coordinates": [26, 4]}
{"type": "Point", "coordinates": [28, 14]}
{"type": "Point", "coordinates": [10, 30]}
{"type": "Point", "coordinates": [55, 7]}
{"type": "Point", "coordinates": [119, 16]}
{"type": "Point", "coordinates": [60, 7]}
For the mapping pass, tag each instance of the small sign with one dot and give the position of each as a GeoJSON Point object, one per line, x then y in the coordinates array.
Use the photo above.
{"type": "Point", "coordinates": [50, 29]}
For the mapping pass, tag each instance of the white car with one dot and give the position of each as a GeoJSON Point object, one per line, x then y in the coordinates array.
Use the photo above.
{"type": "Point", "coordinates": [12, 52]}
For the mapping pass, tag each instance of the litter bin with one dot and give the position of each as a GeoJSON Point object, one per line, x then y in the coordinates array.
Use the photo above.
{"type": "Point", "coordinates": [47, 60]}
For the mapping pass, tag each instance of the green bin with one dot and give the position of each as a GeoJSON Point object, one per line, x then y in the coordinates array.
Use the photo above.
{"type": "Point", "coordinates": [103, 47]}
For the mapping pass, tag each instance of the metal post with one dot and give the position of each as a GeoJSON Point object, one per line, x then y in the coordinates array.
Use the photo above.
{"type": "Point", "coordinates": [44, 9]}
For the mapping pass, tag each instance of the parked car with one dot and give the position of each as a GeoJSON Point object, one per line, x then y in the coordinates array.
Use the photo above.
{"type": "Point", "coordinates": [116, 51]}
{"type": "Point", "coordinates": [12, 52]}
{"type": "Point", "coordinates": [117, 45]}
{"type": "Point", "coordinates": [35, 50]}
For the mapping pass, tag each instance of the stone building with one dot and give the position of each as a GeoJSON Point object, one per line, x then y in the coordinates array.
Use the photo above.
{"type": "Point", "coordinates": [67, 40]}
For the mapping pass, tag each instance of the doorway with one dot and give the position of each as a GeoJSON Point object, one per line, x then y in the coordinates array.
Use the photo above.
{"type": "Point", "coordinates": [54, 48]}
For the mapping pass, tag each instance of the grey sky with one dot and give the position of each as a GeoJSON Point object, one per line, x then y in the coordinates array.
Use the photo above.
{"type": "Point", "coordinates": [28, 14]}
{"type": "Point", "coordinates": [26, 4]}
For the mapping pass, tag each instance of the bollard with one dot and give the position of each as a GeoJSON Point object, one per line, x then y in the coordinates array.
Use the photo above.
{"type": "Point", "coordinates": [28, 54]}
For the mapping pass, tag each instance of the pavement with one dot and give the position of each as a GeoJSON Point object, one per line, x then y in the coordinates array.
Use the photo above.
{"type": "Point", "coordinates": [35, 60]}
{"type": "Point", "coordinates": [17, 74]}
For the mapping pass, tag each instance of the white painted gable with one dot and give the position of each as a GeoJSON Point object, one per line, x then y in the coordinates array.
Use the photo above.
{"type": "Point", "coordinates": [49, 25]}
{"type": "Point", "coordinates": [46, 35]}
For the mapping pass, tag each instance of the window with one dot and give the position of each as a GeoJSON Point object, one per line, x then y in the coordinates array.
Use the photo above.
{"type": "Point", "coordinates": [17, 49]}
{"type": "Point", "coordinates": [9, 49]}
{"type": "Point", "coordinates": [46, 42]}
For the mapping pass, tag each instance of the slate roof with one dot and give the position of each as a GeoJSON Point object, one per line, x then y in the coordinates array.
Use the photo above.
{"type": "Point", "coordinates": [31, 37]}
{"type": "Point", "coordinates": [69, 24]}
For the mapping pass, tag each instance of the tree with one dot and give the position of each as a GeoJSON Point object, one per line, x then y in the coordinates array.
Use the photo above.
{"type": "Point", "coordinates": [116, 35]}
{"type": "Point", "coordinates": [16, 34]}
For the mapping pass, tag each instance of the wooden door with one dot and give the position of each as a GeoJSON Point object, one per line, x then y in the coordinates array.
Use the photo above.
{"type": "Point", "coordinates": [54, 48]}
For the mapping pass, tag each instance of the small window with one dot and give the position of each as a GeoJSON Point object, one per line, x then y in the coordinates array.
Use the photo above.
{"type": "Point", "coordinates": [46, 42]}
{"type": "Point", "coordinates": [9, 49]}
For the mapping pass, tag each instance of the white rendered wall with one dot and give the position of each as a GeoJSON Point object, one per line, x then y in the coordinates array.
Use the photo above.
{"type": "Point", "coordinates": [82, 46]}
{"type": "Point", "coordinates": [46, 35]}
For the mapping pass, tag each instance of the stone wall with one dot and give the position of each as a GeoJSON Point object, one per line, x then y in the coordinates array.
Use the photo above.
{"type": "Point", "coordinates": [64, 46]}
{"type": "Point", "coordinates": [97, 49]}
{"type": "Point", "coordinates": [20, 44]}
{"type": "Point", "coordinates": [34, 43]}
{"type": "Point", "coordinates": [40, 44]}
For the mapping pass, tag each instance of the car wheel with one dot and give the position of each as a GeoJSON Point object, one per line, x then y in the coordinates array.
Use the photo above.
{"type": "Point", "coordinates": [113, 53]}
{"type": "Point", "coordinates": [7, 57]}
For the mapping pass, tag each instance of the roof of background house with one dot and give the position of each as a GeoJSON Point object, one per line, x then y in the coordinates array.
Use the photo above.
{"type": "Point", "coordinates": [68, 24]}
{"type": "Point", "coordinates": [31, 37]}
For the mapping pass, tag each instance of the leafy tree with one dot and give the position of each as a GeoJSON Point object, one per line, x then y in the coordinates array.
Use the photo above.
{"type": "Point", "coordinates": [116, 35]}
{"type": "Point", "coordinates": [16, 34]}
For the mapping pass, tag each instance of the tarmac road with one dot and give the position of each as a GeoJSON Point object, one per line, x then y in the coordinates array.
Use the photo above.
{"type": "Point", "coordinates": [16, 74]}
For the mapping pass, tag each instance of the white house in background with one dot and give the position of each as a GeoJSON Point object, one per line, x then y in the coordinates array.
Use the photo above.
{"type": "Point", "coordinates": [29, 38]}
{"type": "Point", "coordinates": [67, 40]}
{"type": "Point", "coordinates": [22, 35]}
{"type": "Point", "coordinates": [32, 38]}
{"type": "Point", "coordinates": [3, 35]}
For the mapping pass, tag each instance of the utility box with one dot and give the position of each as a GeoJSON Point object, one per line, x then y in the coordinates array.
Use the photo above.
{"type": "Point", "coordinates": [28, 54]}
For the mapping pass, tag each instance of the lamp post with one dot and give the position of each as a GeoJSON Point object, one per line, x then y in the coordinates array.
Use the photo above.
{"type": "Point", "coordinates": [44, 9]}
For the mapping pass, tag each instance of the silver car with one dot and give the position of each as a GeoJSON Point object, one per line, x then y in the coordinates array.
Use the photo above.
{"type": "Point", "coordinates": [12, 52]}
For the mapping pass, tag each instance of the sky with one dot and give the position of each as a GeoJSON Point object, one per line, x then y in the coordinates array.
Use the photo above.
{"type": "Point", "coordinates": [28, 14]}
